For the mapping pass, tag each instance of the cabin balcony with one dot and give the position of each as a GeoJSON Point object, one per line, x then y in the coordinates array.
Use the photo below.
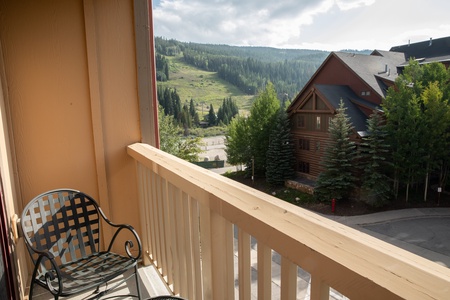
{"type": "Point", "coordinates": [78, 86]}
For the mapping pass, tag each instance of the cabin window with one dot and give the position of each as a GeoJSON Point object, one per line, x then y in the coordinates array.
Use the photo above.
{"type": "Point", "coordinates": [303, 167]}
{"type": "Point", "coordinates": [301, 121]}
{"type": "Point", "coordinates": [317, 122]}
{"type": "Point", "coordinates": [303, 144]}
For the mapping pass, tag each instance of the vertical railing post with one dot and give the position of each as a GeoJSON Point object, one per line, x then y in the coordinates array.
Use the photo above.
{"type": "Point", "coordinates": [264, 272]}
{"type": "Point", "coordinates": [206, 252]}
{"type": "Point", "coordinates": [244, 263]}
{"type": "Point", "coordinates": [222, 257]}
{"type": "Point", "coordinates": [194, 231]}
{"type": "Point", "coordinates": [183, 252]}
{"type": "Point", "coordinates": [319, 289]}
{"type": "Point", "coordinates": [173, 196]}
{"type": "Point", "coordinates": [144, 211]}
{"type": "Point", "coordinates": [288, 279]}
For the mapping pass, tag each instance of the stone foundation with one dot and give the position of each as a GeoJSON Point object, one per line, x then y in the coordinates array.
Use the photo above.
{"type": "Point", "coordinates": [305, 188]}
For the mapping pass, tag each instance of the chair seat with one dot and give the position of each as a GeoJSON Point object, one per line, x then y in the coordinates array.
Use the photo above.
{"type": "Point", "coordinates": [92, 271]}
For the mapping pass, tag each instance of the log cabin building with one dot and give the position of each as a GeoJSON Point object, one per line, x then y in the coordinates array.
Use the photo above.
{"type": "Point", "coordinates": [361, 81]}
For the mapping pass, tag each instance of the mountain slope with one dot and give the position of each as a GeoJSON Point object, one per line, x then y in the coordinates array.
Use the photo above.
{"type": "Point", "coordinates": [204, 87]}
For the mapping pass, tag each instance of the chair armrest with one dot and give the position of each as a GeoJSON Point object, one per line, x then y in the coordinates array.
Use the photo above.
{"type": "Point", "coordinates": [129, 243]}
{"type": "Point", "coordinates": [49, 274]}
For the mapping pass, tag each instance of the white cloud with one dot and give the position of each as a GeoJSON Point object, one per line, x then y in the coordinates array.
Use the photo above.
{"type": "Point", "coordinates": [351, 4]}
{"type": "Point", "coordinates": [324, 24]}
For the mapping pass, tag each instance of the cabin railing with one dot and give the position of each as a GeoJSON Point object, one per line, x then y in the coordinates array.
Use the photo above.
{"type": "Point", "coordinates": [213, 238]}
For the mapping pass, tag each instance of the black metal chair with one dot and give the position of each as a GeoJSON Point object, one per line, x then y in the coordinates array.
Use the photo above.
{"type": "Point", "coordinates": [61, 229]}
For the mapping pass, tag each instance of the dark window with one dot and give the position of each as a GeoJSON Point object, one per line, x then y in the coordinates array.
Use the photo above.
{"type": "Point", "coordinates": [303, 167]}
{"type": "Point", "coordinates": [303, 144]}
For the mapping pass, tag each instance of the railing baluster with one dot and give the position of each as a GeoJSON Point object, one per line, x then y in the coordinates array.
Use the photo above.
{"type": "Point", "coordinates": [244, 265]}
{"type": "Point", "coordinates": [206, 252]}
{"type": "Point", "coordinates": [264, 272]}
{"type": "Point", "coordinates": [222, 257]}
{"type": "Point", "coordinates": [157, 220]}
{"type": "Point", "coordinates": [173, 195]}
{"type": "Point", "coordinates": [164, 230]}
{"type": "Point", "coordinates": [181, 249]}
{"type": "Point", "coordinates": [288, 279]}
{"type": "Point", "coordinates": [319, 290]}
{"type": "Point", "coordinates": [194, 217]}
{"type": "Point", "coordinates": [186, 237]}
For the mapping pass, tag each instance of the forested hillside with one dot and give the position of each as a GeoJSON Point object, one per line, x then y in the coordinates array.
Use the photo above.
{"type": "Point", "coordinates": [248, 68]}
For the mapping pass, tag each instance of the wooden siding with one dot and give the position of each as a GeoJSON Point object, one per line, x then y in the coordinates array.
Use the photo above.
{"type": "Point", "coordinates": [313, 155]}
{"type": "Point", "coordinates": [309, 106]}
{"type": "Point", "coordinates": [320, 104]}
{"type": "Point", "coordinates": [317, 140]}
{"type": "Point", "coordinates": [308, 122]}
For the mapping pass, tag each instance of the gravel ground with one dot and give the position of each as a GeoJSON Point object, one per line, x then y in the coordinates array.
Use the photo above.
{"type": "Point", "coordinates": [214, 146]}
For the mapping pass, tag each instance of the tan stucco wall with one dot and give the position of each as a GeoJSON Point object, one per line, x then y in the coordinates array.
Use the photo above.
{"type": "Point", "coordinates": [71, 88]}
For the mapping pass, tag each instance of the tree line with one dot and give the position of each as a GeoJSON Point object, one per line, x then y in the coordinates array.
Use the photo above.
{"type": "Point", "coordinates": [406, 146]}
{"type": "Point", "coordinates": [186, 115]}
{"type": "Point", "coordinates": [251, 75]}
{"type": "Point", "coordinates": [162, 68]}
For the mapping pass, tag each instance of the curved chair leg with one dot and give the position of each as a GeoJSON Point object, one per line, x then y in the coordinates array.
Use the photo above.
{"type": "Point", "coordinates": [33, 277]}
{"type": "Point", "coordinates": [136, 275]}
{"type": "Point", "coordinates": [30, 293]}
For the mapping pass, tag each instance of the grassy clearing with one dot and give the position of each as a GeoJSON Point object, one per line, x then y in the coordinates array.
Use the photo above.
{"type": "Point", "coordinates": [204, 87]}
{"type": "Point", "coordinates": [287, 194]}
{"type": "Point", "coordinates": [206, 132]}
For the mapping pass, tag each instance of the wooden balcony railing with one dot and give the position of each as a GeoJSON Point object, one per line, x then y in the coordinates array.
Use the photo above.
{"type": "Point", "coordinates": [191, 216]}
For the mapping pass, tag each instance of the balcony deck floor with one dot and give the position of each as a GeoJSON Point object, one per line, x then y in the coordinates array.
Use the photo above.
{"type": "Point", "coordinates": [150, 283]}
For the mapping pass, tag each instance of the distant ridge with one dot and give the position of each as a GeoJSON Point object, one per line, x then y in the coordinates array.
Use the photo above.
{"type": "Point", "coordinates": [249, 68]}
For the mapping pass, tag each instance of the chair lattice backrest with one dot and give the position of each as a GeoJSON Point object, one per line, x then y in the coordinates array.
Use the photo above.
{"type": "Point", "coordinates": [64, 222]}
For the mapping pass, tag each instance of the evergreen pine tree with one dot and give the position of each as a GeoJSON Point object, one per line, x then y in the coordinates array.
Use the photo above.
{"type": "Point", "coordinates": [186, 119]}
{"type": "Point", "coordinates": [375, 189]}
{"type": "Point", "coordinates": [176, 106]}
{"type": "Point", "coordinates": [193, 112]}
{"type": "Point", "coordinates": [212, 119]}
{"type": "Point", "coordinates": [166, 69]}
{"type": "Point", "coordinates": [168, 108]}
{"type": "Point", "coordinates": [280, 155]}
{"type": "Point", "coordinates": [337, 179]}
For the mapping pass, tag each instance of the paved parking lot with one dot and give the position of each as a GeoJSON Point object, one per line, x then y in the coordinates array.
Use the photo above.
{"type": "Point", "coordinates": [423, 231]}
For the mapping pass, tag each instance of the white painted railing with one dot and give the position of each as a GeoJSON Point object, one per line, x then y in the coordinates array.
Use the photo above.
{"type": "Point", "coordinates": [188, 216]}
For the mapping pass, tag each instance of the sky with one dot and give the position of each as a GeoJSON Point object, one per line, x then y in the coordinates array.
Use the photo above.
{"type": "Point", "coordinates": [330, 25]}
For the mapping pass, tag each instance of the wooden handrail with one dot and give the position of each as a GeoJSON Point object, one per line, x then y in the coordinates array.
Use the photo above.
{"type": "Point", "coordinates": [187, 198]}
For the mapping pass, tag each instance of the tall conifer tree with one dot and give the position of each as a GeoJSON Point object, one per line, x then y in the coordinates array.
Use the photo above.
{"type": "Point", "coordinates": [337, 180]}
{"type": "Point", "coordinates": [280, 155]}
{"type": "Point", "coordinates": [376, 189]}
